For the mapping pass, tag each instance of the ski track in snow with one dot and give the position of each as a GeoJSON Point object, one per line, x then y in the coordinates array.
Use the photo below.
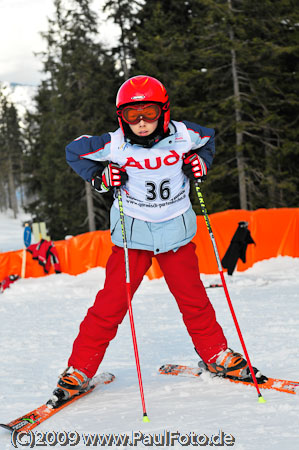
{"type": "Point", "coordinates": [40, 318]}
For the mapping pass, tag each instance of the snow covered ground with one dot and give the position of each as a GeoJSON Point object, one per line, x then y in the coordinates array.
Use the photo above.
{"type": "Point", "coordinates": [40, 319]}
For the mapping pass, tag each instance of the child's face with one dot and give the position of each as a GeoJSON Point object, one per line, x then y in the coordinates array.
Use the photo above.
{"type": "Point", "coordinates": [144, 128]}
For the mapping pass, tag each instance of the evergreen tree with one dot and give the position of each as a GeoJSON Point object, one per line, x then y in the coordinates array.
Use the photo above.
{"type": "Point", "coordinates": [11, 144]}
{"type": "Point", "coordinates": [76, 98]}
{"type": "Point", "coordinates": [242, 44]}
{"type": "Point", "coordinates": [232, 65]}
{"type": "Point", "coordinates": [123, 13]}
{"type": "Point", "coordinates": [273, 79]}
{"type": "Point", "coordinates": [228, 64]}
{"type": "Point", "coordinates": [166, 47]}
{"type": "Point", "coordinates": [161, 49]}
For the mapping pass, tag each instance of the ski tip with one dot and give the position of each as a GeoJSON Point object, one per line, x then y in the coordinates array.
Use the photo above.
{"type": "Point", "coordinates": [261, 399]}
{"type": "Point", "coordinates": [145, 418]}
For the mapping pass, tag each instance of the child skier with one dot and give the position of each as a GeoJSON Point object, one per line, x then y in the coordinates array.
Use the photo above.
{"type": "Point", "coordinates": [152, 159]}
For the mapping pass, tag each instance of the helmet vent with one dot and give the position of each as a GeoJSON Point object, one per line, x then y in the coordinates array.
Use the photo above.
{"type": "Point", "coordinates": [137, 97]}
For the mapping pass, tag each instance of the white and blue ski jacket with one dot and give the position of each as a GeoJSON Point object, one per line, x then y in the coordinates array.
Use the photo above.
{"type": "Point", "coordinates": [158, 212]}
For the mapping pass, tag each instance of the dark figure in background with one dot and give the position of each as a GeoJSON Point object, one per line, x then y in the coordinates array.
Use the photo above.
{"type": "Point", "coordinates": [237, 248]}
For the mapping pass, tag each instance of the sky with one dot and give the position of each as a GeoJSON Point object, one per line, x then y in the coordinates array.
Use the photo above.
{"type": "Point", "coordinates": [21, 22]}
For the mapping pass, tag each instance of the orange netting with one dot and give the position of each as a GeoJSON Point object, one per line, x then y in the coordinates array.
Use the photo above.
{"type": "Point", "coordinates": [275, 232]}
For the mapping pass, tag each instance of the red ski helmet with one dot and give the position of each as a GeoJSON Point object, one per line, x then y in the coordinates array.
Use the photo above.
{"type": "Point", "coordinates": [143, 88]}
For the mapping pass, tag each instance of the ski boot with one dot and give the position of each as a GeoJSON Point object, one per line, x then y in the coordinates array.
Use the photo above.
{"type": "Point", "coordinates": [230, 364]}
{"type": "Point", "coordinates": [70, 384]}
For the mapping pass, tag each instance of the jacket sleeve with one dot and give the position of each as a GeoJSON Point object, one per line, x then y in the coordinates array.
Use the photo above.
{"type": "Point", "coordinates": [86, 154]}
{"type": "Point", "coordinates": [203, 141]}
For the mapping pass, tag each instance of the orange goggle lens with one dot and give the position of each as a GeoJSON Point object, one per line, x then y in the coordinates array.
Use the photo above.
{"type": "Point", "coordinates": [133, 114]}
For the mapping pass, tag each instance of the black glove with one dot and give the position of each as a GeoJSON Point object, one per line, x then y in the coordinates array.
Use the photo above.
{"type": "Point", "coordinates": [194, 167]}
{"type": "Point", "coordinates": [112, 176]}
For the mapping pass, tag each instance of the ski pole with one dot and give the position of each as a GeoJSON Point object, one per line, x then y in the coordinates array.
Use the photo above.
{"type": "Point", "coordinates": [129, 299]}
{"type": "Point", "coordinates": [208, 224]}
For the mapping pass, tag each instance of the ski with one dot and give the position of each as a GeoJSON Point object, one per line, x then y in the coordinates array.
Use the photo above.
{"type": "Point", "coordinates": [264, 382]}
{"type": "Point", "coordinates": [30, 420]}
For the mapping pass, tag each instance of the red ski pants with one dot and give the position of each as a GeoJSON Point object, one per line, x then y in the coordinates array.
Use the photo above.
{"type": "Point", "coordinates": [182, 276]}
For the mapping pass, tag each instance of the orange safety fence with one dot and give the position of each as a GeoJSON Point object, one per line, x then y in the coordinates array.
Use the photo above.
{"type": "Point", "coordinates": [275, 232]}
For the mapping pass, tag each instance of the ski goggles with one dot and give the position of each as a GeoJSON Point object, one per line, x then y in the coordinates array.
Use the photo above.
{"type": "Point", "coordinates": [132, 114]}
